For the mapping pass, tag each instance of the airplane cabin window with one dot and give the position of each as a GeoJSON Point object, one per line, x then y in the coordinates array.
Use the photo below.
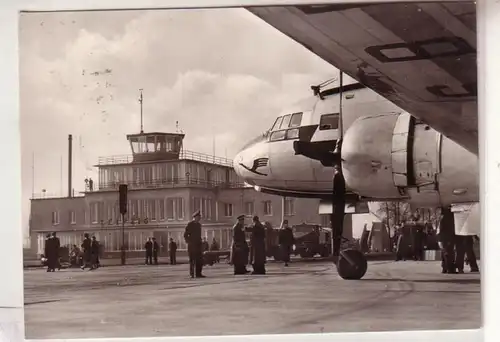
{"type": "Point", "coordinates": [286, 121]}
{"type": "Point", "coordinates": [296, 120]}
{"type": "Point", "coordinates": [278, 135]}
{"type": "Point", "coordinates": [292, 133]}
{"type": "Point", "coordinates": [277, 123]}
{"type": "Point", "coordinates": [329, 121]}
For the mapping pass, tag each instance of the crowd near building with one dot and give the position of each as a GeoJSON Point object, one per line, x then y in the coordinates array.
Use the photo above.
{"type": "Point", "coordinates": [166, 184]}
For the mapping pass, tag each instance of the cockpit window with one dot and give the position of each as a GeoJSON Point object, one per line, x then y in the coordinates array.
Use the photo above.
{"type": "Point", "coordinates": [286, 121]}
{"type": "Point", "coordinates": [296, 120]}
{"type": "Point", "coordinates": [329, 121]}
{"type": "Point", "coordinates": [278, 135]}
{"type": "Point", "coordinates": [292, 133]}
{"type": "Point", "coordinates": [277, 123]}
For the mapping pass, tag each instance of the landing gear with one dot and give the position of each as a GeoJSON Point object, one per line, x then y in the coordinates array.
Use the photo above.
{"type": "Point", "coordinates": [351, 264]}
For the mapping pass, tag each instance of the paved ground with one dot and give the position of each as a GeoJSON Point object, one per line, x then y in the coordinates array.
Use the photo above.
{"type": "Point", "coordinates": [135, 301]}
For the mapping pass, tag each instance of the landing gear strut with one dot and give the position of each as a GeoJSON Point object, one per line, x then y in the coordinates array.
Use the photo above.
{"type": "Point", "coordinates": [351, 263]}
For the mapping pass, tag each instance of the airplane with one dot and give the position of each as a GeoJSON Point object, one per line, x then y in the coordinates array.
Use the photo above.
{"type": "Point", "coordinates": [408, 127]}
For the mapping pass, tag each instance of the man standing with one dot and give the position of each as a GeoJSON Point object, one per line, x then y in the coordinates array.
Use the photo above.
{"type": "Point", "coordinates": [94, 250]}
{"type": "Point", "coordinates": [446, 238]}
{"type": "Point", "coordinates": [239, 248]}
{"type": "Point", "coordinates": [156, 249]}
{"type": "Point", "coordinates": [192, 235]}
{"type": "Point", "coordinates": [148, 246]}
{"type": "Point", "coordinates": [258, 246]}
{"type": "Point", "coordinates": [57, 247]}
{"type": "Point", "coordinates": [172, 250]}
{"type": "Point", "coordinates": [49, 252]}
{"type": "Point", "coordinates": [465, 246]}
{"type": "Point", "coordinates": [205, 245]}
{"type": "Point", "coordinates": [286, 241]}
{"type": "Point", "coordinates": [87, 254]}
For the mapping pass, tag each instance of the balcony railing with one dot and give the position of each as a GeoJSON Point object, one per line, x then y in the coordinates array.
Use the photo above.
{"type": "Point", "coordinates": [171, 183]}
{"type": "Point", "coordinates": [186, 155]}
{"type": "Point", "coordinates": [46, 195]}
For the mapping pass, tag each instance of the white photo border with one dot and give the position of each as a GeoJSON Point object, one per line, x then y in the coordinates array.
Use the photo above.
{"type": "Point", "coordinates": [11, 295]}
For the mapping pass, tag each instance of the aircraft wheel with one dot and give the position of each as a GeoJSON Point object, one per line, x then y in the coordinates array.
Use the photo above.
{"type": "Point", "coordinates": [352, 264]}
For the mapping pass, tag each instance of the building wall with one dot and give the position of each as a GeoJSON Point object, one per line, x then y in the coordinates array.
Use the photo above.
{"type": "Point", "coordinates": [98, 214]}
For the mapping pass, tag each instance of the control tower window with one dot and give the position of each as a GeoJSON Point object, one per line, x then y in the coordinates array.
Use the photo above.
{"type": "Point", "coordinates": [329, 121]}
{"type": "Point", "coordinates": [277, 123]}
{"type": "Point", "coordinates": [286, 121]}
{"type": "Point", "coordinates": [296, 120]}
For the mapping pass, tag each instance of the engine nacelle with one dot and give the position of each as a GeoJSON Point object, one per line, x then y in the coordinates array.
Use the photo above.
{"type": "Point", "coordinates": [392, 156]}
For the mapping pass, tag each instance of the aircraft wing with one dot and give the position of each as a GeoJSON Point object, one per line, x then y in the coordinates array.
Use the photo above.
{"type": "Point", "coordinates": [422, 57]}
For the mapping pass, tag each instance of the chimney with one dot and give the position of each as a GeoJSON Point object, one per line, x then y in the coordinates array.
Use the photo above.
{"type": "Point", "coordinates": [70, 162]}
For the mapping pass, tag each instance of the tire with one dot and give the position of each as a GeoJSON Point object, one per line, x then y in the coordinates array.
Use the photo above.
{"type": "Point", "coordinates": [354, 271]}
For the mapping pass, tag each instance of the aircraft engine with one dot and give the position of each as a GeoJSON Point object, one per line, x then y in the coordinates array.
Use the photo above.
{"type": "Point", "coordinates": [393, 156]}
{"type": "Point", "coordinates": [366, 156]}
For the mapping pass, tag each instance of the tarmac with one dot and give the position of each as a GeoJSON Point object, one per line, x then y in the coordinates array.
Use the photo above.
{"type": "Point", "coordinates": [307, 297]}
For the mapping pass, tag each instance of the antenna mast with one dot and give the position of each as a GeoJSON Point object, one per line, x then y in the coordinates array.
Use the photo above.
{"type": "Point", "coordinates": [341, 90]}
{"type": "Point", "coordinates": [33, 175]}
{"type": "Point", "coordinates": [140, 101]}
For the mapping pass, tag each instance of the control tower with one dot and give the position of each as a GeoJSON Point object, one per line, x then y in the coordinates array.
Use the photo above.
{"type": "Point", "coordinates": [155, 146]}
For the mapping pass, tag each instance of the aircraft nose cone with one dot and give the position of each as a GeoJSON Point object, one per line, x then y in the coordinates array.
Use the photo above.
{"type": "Point", "coordinates": [238, 159]}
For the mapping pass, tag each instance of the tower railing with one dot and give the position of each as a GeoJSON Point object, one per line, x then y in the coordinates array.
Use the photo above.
{"type": "Point", "coordinates": [183, 155]}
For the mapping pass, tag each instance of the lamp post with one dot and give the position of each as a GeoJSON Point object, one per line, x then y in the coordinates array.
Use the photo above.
{"type": "Point", "coordinates": [123, 253]}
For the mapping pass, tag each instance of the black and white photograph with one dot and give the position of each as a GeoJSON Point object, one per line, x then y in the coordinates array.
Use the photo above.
{"type": "Point", "coordinates": [246, 171]}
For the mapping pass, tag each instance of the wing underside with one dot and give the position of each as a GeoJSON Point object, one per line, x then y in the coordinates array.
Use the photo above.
{"type": "Point", "coordinates": [420, 56]}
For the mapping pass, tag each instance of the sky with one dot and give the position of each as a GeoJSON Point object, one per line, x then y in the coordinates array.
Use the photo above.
{"type": "Point", "coordinates": [220, 73]}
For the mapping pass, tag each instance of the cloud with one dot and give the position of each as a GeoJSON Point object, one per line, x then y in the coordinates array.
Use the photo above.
{"type": "Point", "coordinates": [221, 73]}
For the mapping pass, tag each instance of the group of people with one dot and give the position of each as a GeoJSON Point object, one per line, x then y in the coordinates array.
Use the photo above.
{"type": "Point", "coordinates": [86, 257]}
{"type": "Point", "coordinates": [455, 248]}
{"type": "Point", "coordinates": [418, 236]}
{"type": "Point", "coordinates": [152, 249]}
{"type": "Point", "coordinates": [242, 253]}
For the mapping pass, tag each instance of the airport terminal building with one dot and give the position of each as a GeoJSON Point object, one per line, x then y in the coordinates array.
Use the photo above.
{"type": "Point", "coordinates": [166, 184]}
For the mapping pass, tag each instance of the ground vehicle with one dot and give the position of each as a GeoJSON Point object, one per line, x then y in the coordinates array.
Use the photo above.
{"type": "Point", "coordinates": [311, 240]}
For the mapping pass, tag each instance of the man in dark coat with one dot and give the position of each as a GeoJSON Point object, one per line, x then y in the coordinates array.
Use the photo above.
{"type": "Point", "coordinates": [87, 253]}
{"type": "Point", "coordinates": [446, 237]}
{"type": "Point", "coordinates": [172, 251]}
{"type": "Point", "coordinates": [192, 235]}
{"type": "Point", "coordinates": [286, 241]}
{"type": "Point", "coordinates": [94, 251]}
{"type": "Point", "coordinates": [57, 254]}
{"type": "Point", "coordinates": [49, 253]}
{"type": "Point", "coordinates": [239, 249]}
{"type": "Point", "coordinates": [465, 246]}
{"type": "Point", "coordinates": [258, 246]}
{"type": "Point", "coordinates": [148, 246]}
{"type": "Point", "coordinates": [418, 242]}
{"type": "Point", "coordinates": [214, 246]}
{"type": "Point", "coordinates": [156, 249]}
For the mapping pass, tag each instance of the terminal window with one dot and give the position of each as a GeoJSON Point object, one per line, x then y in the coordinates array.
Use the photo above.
{"type": "Point", "coordinates": [55, 217]}
{"type": "Point", "coordinates": [289, 207]}
{"type": "Point", "coordinates": [249, 208]}
{"type": "Point", "coordinates": [228, 209]}
{"type": "Point", "coordinates": [268, 208]}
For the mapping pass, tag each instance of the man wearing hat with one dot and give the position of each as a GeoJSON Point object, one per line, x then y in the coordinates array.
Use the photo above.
{"type": "Point", "coordinates": [258, 246]}
{"type": "Point", "coordinates": [286, 241]}
{"type": "Point", "coordinates": [192, 235]}
{"type": "Point", "coordinates": [239, 248]}
{"type": "Point", "coordinates": [49, 253]}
